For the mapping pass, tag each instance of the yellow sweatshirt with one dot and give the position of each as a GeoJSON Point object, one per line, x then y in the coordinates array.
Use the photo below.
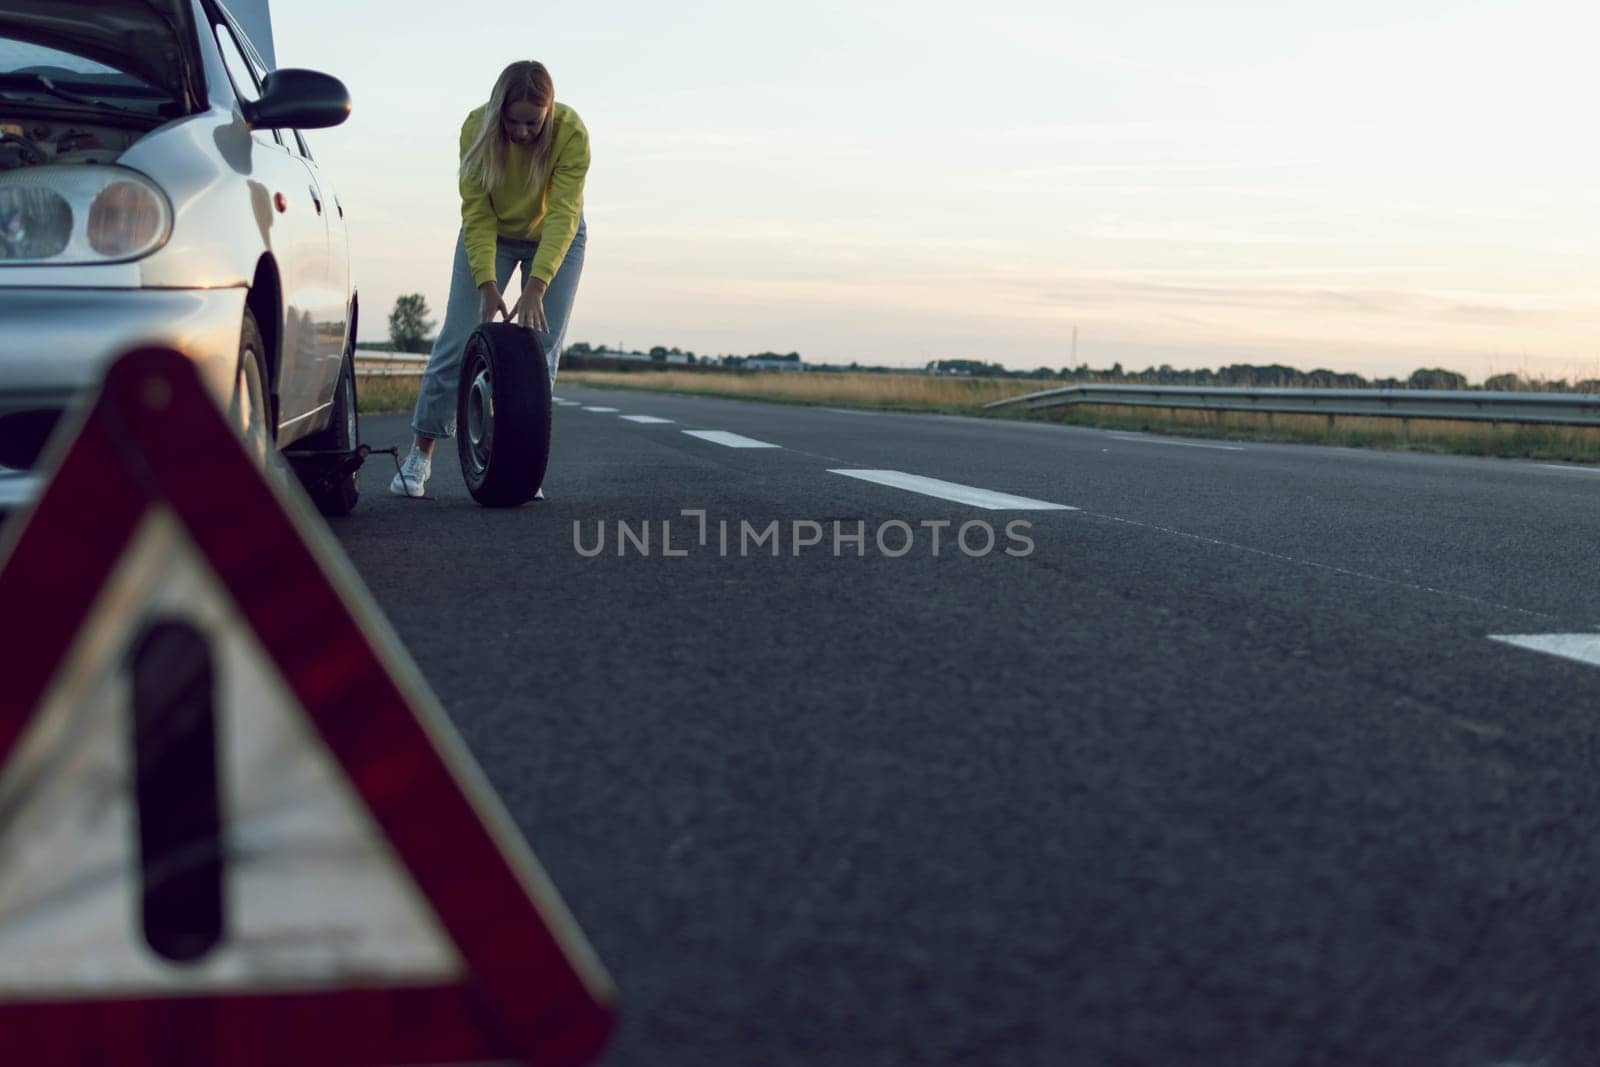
{"type": "Point", "coordinates": [546, 211]}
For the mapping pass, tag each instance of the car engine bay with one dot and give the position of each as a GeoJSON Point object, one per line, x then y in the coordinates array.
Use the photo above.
{"type": "Point", "coordinates": [36, 142]}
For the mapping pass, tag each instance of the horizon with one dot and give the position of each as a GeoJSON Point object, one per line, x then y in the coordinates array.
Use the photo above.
{"type": "Point", "coordinates": [1113, 370]}
{"type": "Point", "coordinates": [1359, 190]}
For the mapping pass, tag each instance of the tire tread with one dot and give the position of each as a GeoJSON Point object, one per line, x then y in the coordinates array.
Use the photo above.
{"type": "Point", "coordinates": [521, 450]}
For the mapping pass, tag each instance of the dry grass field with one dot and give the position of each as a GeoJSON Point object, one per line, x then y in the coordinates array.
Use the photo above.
{"type": "Point", "coordinates": [1570, 443]}
{"type": "Point", "coordinates": [896, 392]}
{"type": "Point", "coordinates": [376, 395]}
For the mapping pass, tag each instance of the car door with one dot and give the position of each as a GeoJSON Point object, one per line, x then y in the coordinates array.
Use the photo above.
{"type": "Point", "coordinates": [298, 241]}
{"type": "Point", "coordinates": [331, 310]}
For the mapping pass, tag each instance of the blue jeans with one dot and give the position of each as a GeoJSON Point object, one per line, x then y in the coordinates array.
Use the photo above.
{"type": "Point", "coordinates": [436, 402]}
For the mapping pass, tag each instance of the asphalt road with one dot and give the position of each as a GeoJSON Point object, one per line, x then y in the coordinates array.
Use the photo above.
{"type": "Point", "coordinates": [1227, 769]}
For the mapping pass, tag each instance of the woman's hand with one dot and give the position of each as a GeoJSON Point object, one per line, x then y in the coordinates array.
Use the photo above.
{"type": "Point", "coordinates": [489, 302]}
{"type": "Point", "coordinates": [529, 311]}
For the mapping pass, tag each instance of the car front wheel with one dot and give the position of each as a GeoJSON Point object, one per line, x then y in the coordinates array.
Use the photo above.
{"type": "Point", "coordinates": [249, 410]}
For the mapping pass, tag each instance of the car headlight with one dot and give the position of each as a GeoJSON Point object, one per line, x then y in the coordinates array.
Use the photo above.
{"type": "Point", "coordinates": [80, 214]}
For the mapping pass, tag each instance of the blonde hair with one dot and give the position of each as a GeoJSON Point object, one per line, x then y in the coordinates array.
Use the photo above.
{"type": "Point", "coordinates": [484, 161]}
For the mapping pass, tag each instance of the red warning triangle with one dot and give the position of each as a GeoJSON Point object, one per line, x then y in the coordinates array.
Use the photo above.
{"type": "Point", "coordinates": [364, 900]}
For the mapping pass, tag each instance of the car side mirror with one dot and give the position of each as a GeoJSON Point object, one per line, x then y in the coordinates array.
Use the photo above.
{"type": "Point", "coordinates": [301, 99]}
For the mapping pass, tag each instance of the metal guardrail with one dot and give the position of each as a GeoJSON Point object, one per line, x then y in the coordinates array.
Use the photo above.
{"type": "Point", "coordinates": [1562, 409]}
{"type": "Point", "coordinates": [373, 363]}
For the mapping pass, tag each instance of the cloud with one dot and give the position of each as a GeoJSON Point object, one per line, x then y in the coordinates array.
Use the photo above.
{"type": "Point", "coordinates": [1319, 300]}
{"type": "Point", "coordinates": [1159, 167]}
{"type": "Point", "coordinates": [1116, 228]}
{"type": "Point", "coordinates": [1193, 129]}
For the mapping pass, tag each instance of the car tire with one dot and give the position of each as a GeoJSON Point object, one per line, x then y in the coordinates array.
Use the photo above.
{"type": "Point", "coordinates": [503, 415]}
{"type": "Point", "coordinates": [334, 489]}
{"type": "Point", "coordinates": [250, 410]}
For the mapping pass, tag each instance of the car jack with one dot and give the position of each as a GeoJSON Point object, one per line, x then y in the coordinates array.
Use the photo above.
{"type": "Point", "coordinates": [318, 473]}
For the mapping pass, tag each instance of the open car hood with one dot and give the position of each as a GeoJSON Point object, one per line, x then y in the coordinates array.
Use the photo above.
{"type": "Point", "coordinates": [152, 39]}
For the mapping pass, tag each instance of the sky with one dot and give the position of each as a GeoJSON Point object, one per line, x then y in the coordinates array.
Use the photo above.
{"type": "Point", "coordinates": [1369, 186]}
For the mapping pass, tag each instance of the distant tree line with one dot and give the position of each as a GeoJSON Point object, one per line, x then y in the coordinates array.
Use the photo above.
{"type": "Point", "coordinates": [1251, 376]}
{"type": "Point", "coordinates": [659, 354]}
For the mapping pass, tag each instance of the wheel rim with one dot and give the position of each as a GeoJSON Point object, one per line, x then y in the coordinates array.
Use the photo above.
{"type": "Point", "coordinates": [250, 406]}
{"type": "Point", "coordinates": [480, 417]}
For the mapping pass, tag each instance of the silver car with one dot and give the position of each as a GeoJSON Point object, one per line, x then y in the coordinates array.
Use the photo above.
{"type": "Point", "coordinates": [155, 188]}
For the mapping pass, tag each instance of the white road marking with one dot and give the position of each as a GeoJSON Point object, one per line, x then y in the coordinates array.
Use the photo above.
{"type": "Point", "coordinates": [961, 494]}
{"type": "Point", "coordinates": [851, 411]}
{"type": "Point", "coordinates": [1566, 467]}
{"type": "Point", "coordinates": [651, 419]}
{"type": "Point", "coordinates": [587, 408]}
{"type": "Point", "coordinates": [1180, 444]}
{"type": "Point", "coordinates": [728, 440]}
{"type": "Point", "coordinates": [1584, 648]}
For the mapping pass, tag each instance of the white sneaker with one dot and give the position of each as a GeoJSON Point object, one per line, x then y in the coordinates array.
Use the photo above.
{"type": "Point", "coordinates": [413, 476]}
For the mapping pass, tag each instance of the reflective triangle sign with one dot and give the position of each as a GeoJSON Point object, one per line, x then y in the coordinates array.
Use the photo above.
{"type": "Point", "coordinates": [235, 827]}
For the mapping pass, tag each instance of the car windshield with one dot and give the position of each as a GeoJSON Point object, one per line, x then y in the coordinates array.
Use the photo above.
{"type": "Point", "coordinates": [34, 70]}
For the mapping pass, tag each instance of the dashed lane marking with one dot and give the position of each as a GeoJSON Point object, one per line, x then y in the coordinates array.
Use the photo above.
{"type": "Point", "coordinates": [647, 419]}
{"type": "Point", "coordinates": [728, 440]}
{"type": "Point", "coordinates": [587, 408]}
{"type": "Point", "coordinates": [1583, 648]}
{"type": "Point", "coordinates": [961, 494]}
